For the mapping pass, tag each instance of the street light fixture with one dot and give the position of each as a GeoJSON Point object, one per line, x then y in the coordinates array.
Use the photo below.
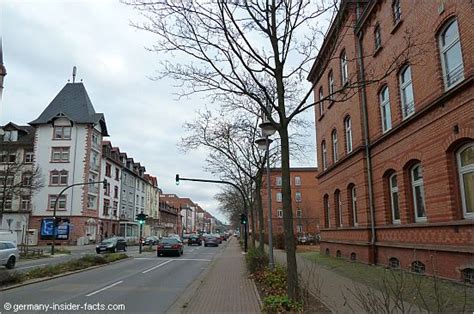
{"type": "Point", "coordinates": [268, 129]}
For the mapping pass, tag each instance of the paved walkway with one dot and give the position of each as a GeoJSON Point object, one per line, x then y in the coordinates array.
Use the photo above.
{"type": "Point", "coordinates": [225, 287]}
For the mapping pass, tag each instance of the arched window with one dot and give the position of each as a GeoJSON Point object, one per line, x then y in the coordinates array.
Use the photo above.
{"type": "Point", "coordinates": [465, 159]}
{"type": "Point", "coordinates": [418, 192]}
{"type": "Point", "coordinates": [348, 131]}
{"type": "Point", "coordinates": [384, 99]}
{"type": "Point", "coordinates": [394, 205]}
{"type": "Point", "coordinates": [321, 102]}
{"type": "Point", "coordinates": [451, 55]}
{"type": "Point", "coordinates": [397, 11]}
{"type": "Point", "coordinates": [331, 85]}
{"type": "Point", "coordinates": [418, 267]}
{"type": "Point", "coordinates": [58, 177]}
{"type": "Point", "coordinates": [344, 68]}
{"type": "Point", "coordinates": [354, 205]}
{"type": "Point", "coordinates": [324, 155]}
{"type": "Point", "coordinates": [327, 215]}
{"type": "Point", "coordinates": [338, 253]}
{"type": "Point", "coordinates": [406, 92]}
{"type": "Point", "coordinates": [334, 145]}
{"type": "Point", "coordinates": [393, 262]}
{"type": "Point", "coordinates": [377, 37]}
{"type": "Point", "coordinates": [468, 275]}
{"type": "Point", "coordinates": [338, 205]}
{"type": "Point", "coordinates": [353, 256]}
{"type": "Point", "coordinates": [326, 252]}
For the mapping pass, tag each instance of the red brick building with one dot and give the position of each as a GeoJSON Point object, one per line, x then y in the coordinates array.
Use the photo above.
{"type": "Point", "coordinates": [397, 158]}
{"type": "Point", "coordinates": [304, 196]}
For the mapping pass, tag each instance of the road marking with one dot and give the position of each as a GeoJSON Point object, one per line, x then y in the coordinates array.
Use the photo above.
{"type": "Point", "coordinates": [155, 267]}
{"type": "Point", "coordinates": [31, 266]}
{"type": "Point", "coordinates": [191, 250]}
{"type": "Point", "coordinates": [104, 288]}
{"type": "Point", "coordinates": [192, 259]}
{"type": "Point", "coordinates": [174, 259]}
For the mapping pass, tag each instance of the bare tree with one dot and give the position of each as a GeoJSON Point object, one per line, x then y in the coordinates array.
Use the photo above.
{"type": "Point", "coordinates": [234, 50]}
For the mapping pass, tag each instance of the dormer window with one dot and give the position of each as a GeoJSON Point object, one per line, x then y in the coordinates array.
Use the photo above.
{"type": "Point", "coordinates": [62, 133]}
{"type": "Point", "coordinates": [10, 136]}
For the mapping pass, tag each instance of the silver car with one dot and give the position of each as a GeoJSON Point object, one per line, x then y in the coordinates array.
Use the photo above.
{"type": "Point", "coordinates": [8, 254]}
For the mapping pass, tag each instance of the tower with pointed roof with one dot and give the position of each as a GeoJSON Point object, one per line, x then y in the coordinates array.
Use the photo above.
{"type": "Point", "coordinates": [68, 148]}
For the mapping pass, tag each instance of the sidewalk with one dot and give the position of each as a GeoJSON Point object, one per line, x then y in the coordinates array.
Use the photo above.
{"type": "Point", "coordinates": [225, 287]}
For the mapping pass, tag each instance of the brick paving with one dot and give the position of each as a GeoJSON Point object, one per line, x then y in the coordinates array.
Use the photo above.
{"type": "Point", "coordinates": [226, 288]}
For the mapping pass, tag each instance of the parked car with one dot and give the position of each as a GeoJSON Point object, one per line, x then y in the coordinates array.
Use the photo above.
{"type": "Point", "coordinates": [211, 241]}
{"type": "Point", "coordinates": [173, 235]}
{"type": "Point", "coordinates": [169, 245]}
{"type": "Point", "coordinates": [111, 245]}
{"type": "Point", "coordinates": [151, 240]}
{"type": "Point", "coordinates": [8, 254]}
{"type": "Point", "coordinates": [194, 239]}
{"type": "Point", "coordinates": [218, 236]}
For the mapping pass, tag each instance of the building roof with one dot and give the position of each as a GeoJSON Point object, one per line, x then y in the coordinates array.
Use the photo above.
{"type": "Point", "coordinates": [26, 134]}
{"type": "Point", "coordinates": [74, 103]}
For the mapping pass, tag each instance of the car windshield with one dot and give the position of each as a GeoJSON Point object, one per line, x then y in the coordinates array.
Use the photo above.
{"type": "Point", "coordinates": [169, 241]}
{"type": "Point", "coordinates": [108, 241]}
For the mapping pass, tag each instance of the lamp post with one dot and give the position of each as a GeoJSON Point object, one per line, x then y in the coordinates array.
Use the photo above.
{"type": "Point", "coordinates": [264, 144]}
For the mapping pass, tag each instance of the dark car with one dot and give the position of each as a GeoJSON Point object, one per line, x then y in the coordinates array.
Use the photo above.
{"type": "Point", "coordinates": [211, 241]}
{"type": "Point", "coordinates": [194, 239]}
{"type": "Point", "coordinates": [169, 245]}
{"type": "Point", "coordinates": [111, 245]}
{"type": "Point", "coordinates": [151, 240]}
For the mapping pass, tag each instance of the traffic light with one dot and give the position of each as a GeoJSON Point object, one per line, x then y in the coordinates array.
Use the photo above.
{"type": "Point", "coordinates": [177, 179]}
{"type": "Point", "coordinates": [105, 184]}
{"type": "Point", "coordinates": [243, 219]}
{"type": "Point", "coordinates": [141, 218]}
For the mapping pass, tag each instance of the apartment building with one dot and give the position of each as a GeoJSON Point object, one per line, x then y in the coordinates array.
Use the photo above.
{"type": "Point", "coordinates": [152, 206]}
{"type": "Point", "coordinates": [305, 199]}
{"type": "Point", "coordinates": [18, 178]}
{"type": "Point", "coordinates": [68, 149]}
{"type": "Point", "coordinates": [396, 158]}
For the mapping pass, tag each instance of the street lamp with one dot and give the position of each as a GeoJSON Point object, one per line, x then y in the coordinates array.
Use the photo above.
{"type": "Point", "coordinates": [264, 144]}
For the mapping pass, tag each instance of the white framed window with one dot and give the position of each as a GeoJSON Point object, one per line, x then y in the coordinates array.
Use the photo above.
{"type": "Point", "coordinates": [344, 68]}
{"type": "Point", "coordinates": [348, 131]}
{"type": "Point", "coordinates": [29, 157]}
{"type": "Point", "coordinates": [377, 37]}
{"type": "Point", "coordinates": [299, 228]}
{"type": "Point", "coordinates": [385, 109]}
{"type": "Point", "coordinates": [60, 154]}
{"type": "Point", "coordinates": [297, 180]}
{"type": "Point", "coordinates": [27, 179]}
{"type": "Point", "coordinates": [338, 206]}
{"type": "Point", "coordinates": [279, 197]}
{"type": "Point", "coordinates": [394, 205]}
{"type": "Point", "coordinates": [406, 92]}
{"type": "Point", "coordinates": [465, 159]}
{"type": "Point", "coordinates": [418, 192]}
{"type": "Point", "coordinates": [279, 213]}
{"type": "Point", "coordinates": [397, 11]}
{"type": "Point", "coordinates": [8, 201]}
{"type": "Point", "coordinates": [62, 133]}
{"type": "Point", "coordinates": [325, 155]}
{"type": "Point", "coordinates": [451, 55]}
{"type": "Point", "coordinates": [26, 202]}
{"type": "Point", "coordinates": [58, 177]}
{"type": "Point", "coordinates": [91, 202]}
{"type": "Point", "coordinates": [327, 211]}
{"type": "Point", "coordinates": [334, 145]}
{"type": "Point", "coordinates": [298, 197]}
{"type": "Point", "coordinates": [321, 102]}
{"type": "Point", "coordinates": [278, 181]}
{"type": "Point", "coordinates": [61, 202]}
{"type": "Point", "coordinates": [299, 213]}
{"type": "Point", "coordinates": [354, 205]}
{"type": "Point", "coordinates": [331, 85]}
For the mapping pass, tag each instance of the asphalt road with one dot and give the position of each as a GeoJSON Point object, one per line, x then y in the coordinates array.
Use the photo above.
{"type": "Point", "coordinates": [144, 284]}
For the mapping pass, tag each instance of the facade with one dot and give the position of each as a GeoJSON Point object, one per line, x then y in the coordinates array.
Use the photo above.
{"type": "Point", "coordinates": [187, 210]}
{"type": "Point", "coordinates": [396, 159]}
{"type": "Point", "coordinates": [110, 195]}
{"type": "Point", "coordinates": [305, 199]}
{"type": "Point", "coordinates": [152, 206]}
{"type": "Point", "coordinates": [169, 219]}
{"type": "Point", "coordinates": [68, 149]}
{"type": "Point", "coordinates": [16, 175]}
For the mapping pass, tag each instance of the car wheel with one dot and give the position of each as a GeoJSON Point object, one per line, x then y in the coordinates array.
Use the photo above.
{"type": "Point", "coordinates": [11, 263]}
{"type": "Point", "coordinates": [114, 250]}
{"type": "Point", "coordinates": [98, 252]}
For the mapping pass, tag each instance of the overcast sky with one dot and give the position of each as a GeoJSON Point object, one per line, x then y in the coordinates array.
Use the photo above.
{"type": "Point", "coordinates": [44, 39]}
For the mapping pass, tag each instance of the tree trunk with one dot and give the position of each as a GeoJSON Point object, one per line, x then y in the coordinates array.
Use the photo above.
{"type": "Point", "coordinates": [292, 275]}
{"type": "Point", "coordinates": [252, 224]}
{"type": "Point", "coordinates": [261, 222]}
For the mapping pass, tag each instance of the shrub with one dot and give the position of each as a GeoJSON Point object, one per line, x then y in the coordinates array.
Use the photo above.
{"type": "Point", "coordinates": [7, 277]}
{"type": "Point", "coordinates": [279, 241]}
{"type": "Point", "coordinates": [281, 303]}
{"type": "Point", "coordinates": [256, 260]}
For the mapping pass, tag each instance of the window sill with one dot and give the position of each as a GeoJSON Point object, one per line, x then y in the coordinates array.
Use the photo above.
{"type": "Point", "coordinates": [59, 162]}
{"type": "Point", "coordinates": [396, 26]}
{"type": "Point", "coordinates": [377, 51]}
{"type": "Point", "coordinates": [56, 185]}
{"type": "Point", "coordinates": [61, 139]}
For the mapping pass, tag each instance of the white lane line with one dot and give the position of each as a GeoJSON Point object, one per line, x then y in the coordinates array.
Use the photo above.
{"type": "Point", "coordinates": [31, 266]}
{"type": "Point", "coordinates": [155, 267]}
{"type": "Point", "coordinates": [191, 250]}
{"type": "Point", "coordinates": [104, 288]}
{"type": "Point", "coordinates": [174, 259]}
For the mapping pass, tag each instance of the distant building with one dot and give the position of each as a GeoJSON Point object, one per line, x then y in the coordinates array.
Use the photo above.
{"type": "Point", "coordinates": [68, 149]}
{"type": "Point", "coordinates": [305, 200]}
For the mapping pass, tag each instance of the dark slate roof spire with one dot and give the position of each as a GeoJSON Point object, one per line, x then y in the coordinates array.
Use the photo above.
{"type": "Point", "coordinates": [3, 71]}
{"type": "Point", "coordinates": [74, 103]}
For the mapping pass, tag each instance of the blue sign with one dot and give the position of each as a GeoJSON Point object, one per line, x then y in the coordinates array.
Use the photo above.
{"type": "Point", "coordinates": [63, 232]}
{"type": "Point", "coordinates": [47, 227]}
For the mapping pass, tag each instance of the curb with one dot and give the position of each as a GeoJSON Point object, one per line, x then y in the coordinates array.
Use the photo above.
{"type": "Point", "coordinates": [36, 280]}
{"type": "Point", "coordinates": [180, 305]}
